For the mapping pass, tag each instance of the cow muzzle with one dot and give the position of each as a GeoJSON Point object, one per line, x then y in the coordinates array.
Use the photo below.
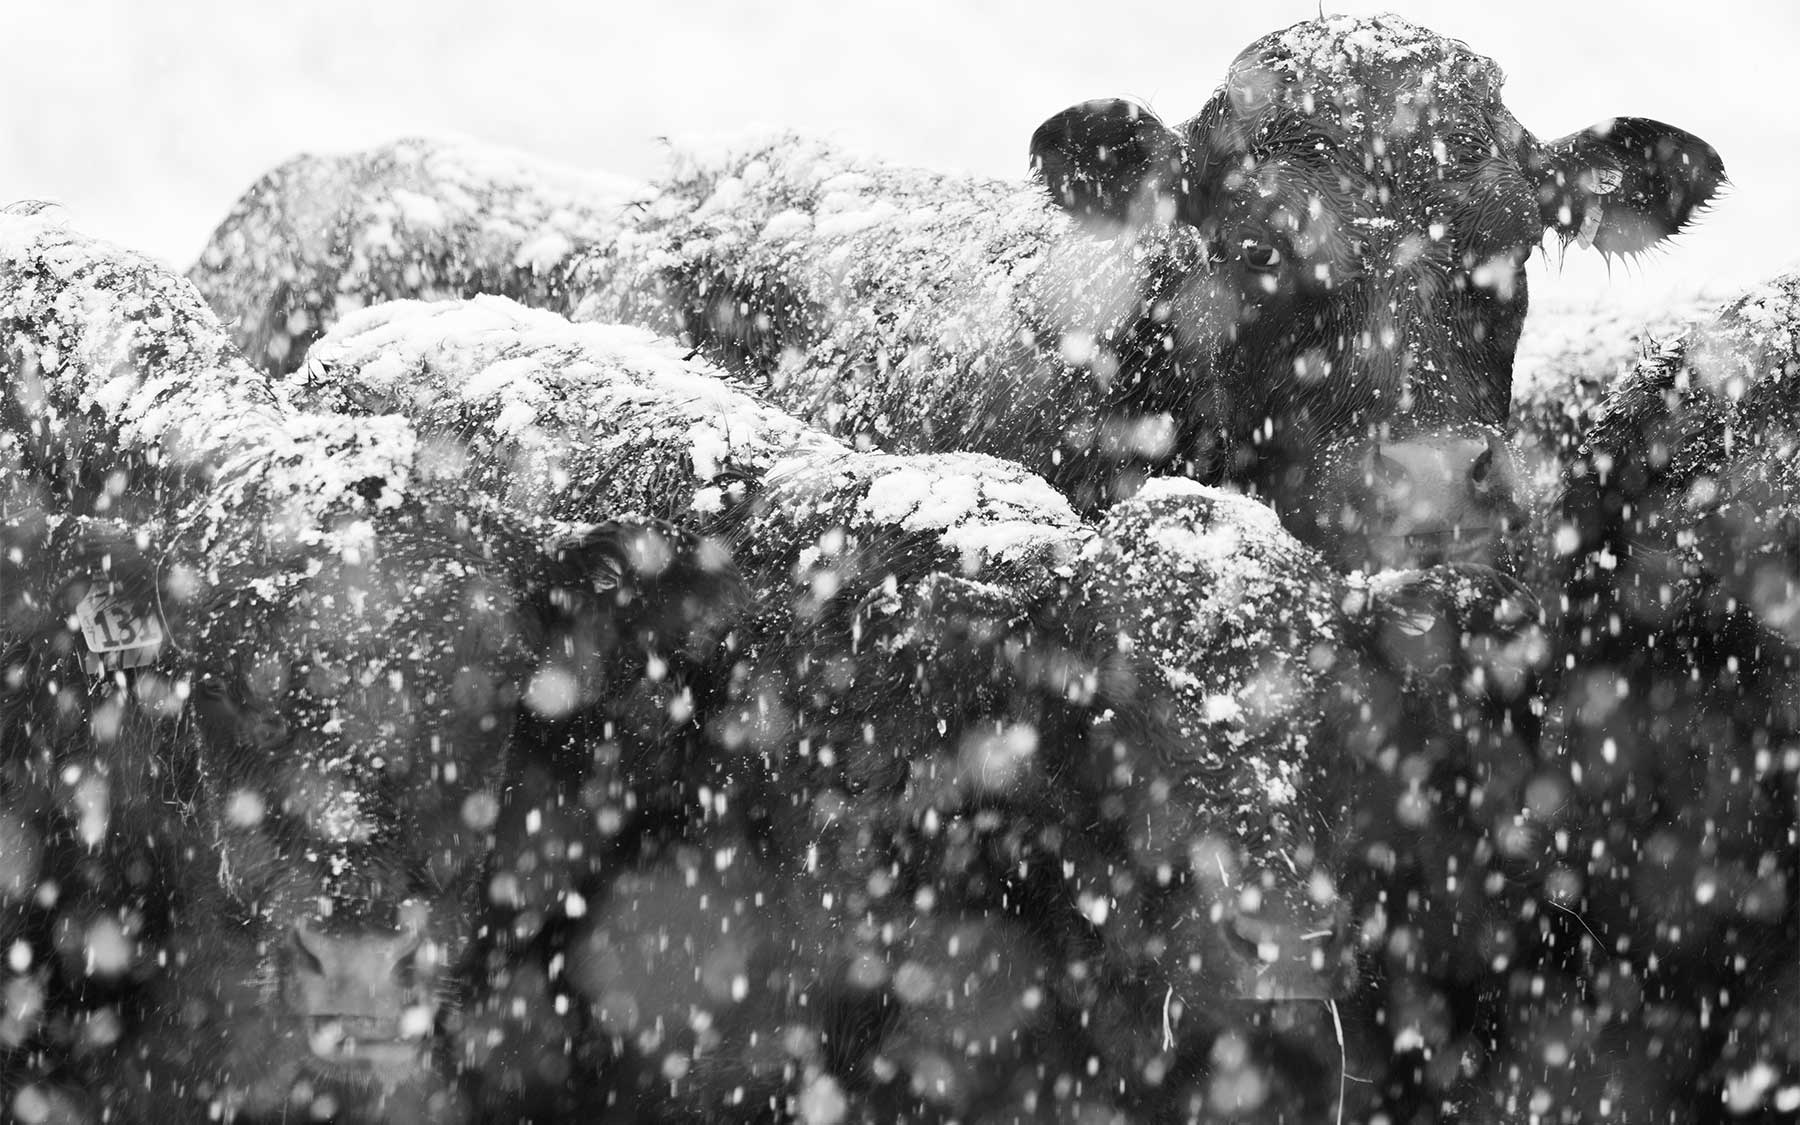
{"type": "Point", "coordinates": [1288, 948]}
{"type": "Point", "coordinates": [1430, 499]}
{"type": "Point", "coordinates": [365, 999]}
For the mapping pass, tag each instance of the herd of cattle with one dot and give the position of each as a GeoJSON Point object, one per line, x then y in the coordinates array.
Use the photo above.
{"type": "Point", "coordinates": [814, 640]}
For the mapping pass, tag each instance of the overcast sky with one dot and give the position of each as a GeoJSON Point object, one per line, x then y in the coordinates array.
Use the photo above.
{"type": "Point", "coordinates": [146, 120]}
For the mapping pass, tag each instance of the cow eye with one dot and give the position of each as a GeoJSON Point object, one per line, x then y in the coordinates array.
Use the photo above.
{"type": "Point", "coordinates": [266, 731]}
{"type": "Point", "coordinates": [1261, 255]}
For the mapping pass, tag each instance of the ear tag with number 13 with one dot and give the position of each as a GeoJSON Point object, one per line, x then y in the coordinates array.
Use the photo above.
{"type": "Point", "coordinates": [119, 632]}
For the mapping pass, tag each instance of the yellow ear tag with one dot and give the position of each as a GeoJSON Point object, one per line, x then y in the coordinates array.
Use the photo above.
{"type": "Point", "coordinates": [120, 633]}
{"type": "Point", "coordinates": [1590, 225]}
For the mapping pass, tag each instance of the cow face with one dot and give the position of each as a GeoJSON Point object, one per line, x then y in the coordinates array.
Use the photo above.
{"type": "Point", "coordinates": [1366, 206]}
{"type": "Point", "coordinates": [356, 726]}
{"type": "Point", "coordinates": [352, 733]}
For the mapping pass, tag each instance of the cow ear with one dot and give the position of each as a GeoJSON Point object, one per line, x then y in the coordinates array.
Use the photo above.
{"type": "Point", "coordinates": [1104, 160]}
{"type": "Point", "coordinates": [593, 557]}
{"type": "Point", "coordinates": [1626, 184]}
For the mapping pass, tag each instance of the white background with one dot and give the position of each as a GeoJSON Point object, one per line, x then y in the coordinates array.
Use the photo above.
{"type": "Point", "coordinates": [147, 119]}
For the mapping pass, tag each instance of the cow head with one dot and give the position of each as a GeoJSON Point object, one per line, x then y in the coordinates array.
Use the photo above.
{"type": "Point", "coordinates": [1238, 777]}
{"type": "Point", "coordinates": [353, 715]}
{"type": "Point", "coordinates": [1359, 206]}
{"type": "Point", "coordinates": [357, 721]}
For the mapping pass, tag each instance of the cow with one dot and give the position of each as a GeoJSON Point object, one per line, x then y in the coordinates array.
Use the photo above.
{"type": "Point", "coordinates": [1572, 355]}
{"type": "Point", "coordinates": [349, 633]}
{"type": "Point", "coordinates": [322, 235]}
{"type": "Point", "coordinates": [1313, 288]}
{"type": "Point", "coordinates": [938, 646]}
{"type": "Point", "coordinates": [921, 771]}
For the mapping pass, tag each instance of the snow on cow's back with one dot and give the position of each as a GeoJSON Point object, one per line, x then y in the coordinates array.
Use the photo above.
{"type": "Point", "coordinates": [1243, 621]}
{"type": "Point", "coordinates": [323, 235]}
{"type": "Point", "coordinates": [834, 191]}
{"type": "Point", "coordinates": [1719, 398]}
{"type": "Point", "coordinates": [1690, 471]}
{"type": "Point", "coordinates": [96, 333]}
{"type": "Point", "coordinates": [771, 196]}
{"type": "Point", "coordinates": [1573, 352]}
{"type": "Point", "coordinates": [132, 401]}
{"type": "Point", "coordinates": [971, 514]}
{"type": "Point", "coordinates": [573, 420]}
{"type": "Point", "coordinates": [1752, 348]}
{"type": "Point", "coordinates": [565, 421]}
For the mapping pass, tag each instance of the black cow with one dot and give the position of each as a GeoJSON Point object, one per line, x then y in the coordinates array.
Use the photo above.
{"type": "Point", "coordinates": [368, 625]}
{"type": "Point", "coordinates": [963, 843]}
{"type": "Point", "coordinates": [1368, 205]}
{"type": "Point", "coordinates": [1687, 478]}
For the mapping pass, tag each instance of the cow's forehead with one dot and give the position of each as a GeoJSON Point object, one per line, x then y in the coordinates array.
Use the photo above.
{"type": "Point", "coordinates": [385, 597]}
{"type": "Point", "coordinates": [1361, 70]}
{"type": "Point", "coordinates": [414, 612]}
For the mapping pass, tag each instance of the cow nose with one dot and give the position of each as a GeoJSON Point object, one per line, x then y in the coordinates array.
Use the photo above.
{"type": "Point", "coordinates": [1288, 950]}
{"type": "Point", "coordinates": [1433, 499]}
{"type": "Point", "coordinates": [363, 997]}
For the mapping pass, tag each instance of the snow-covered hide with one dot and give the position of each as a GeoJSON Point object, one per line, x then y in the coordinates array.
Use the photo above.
{"type": "Point", "coordinates": [354, 644]}
{"type": "Point", "coordinates": [1573, 353]}
{"type": "Point", "coordinates": [1689, 478]}
{"type": "Point", "coordinates": [968, 514]}
{"type": "Point", "coordinates": [321, 236]}
{"type": "Point", "coordinates": [1184, 571]}
{"type": "Point", "coordinates": [559, 421]}
{"type": "Point", "coordinates": [118, 374]}
{"type": "Point", "coordinates": [1330, 253]}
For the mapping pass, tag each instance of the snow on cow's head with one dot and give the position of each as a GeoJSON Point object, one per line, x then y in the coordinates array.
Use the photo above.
{"type": "Point", "coordinates": [357, 710]}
